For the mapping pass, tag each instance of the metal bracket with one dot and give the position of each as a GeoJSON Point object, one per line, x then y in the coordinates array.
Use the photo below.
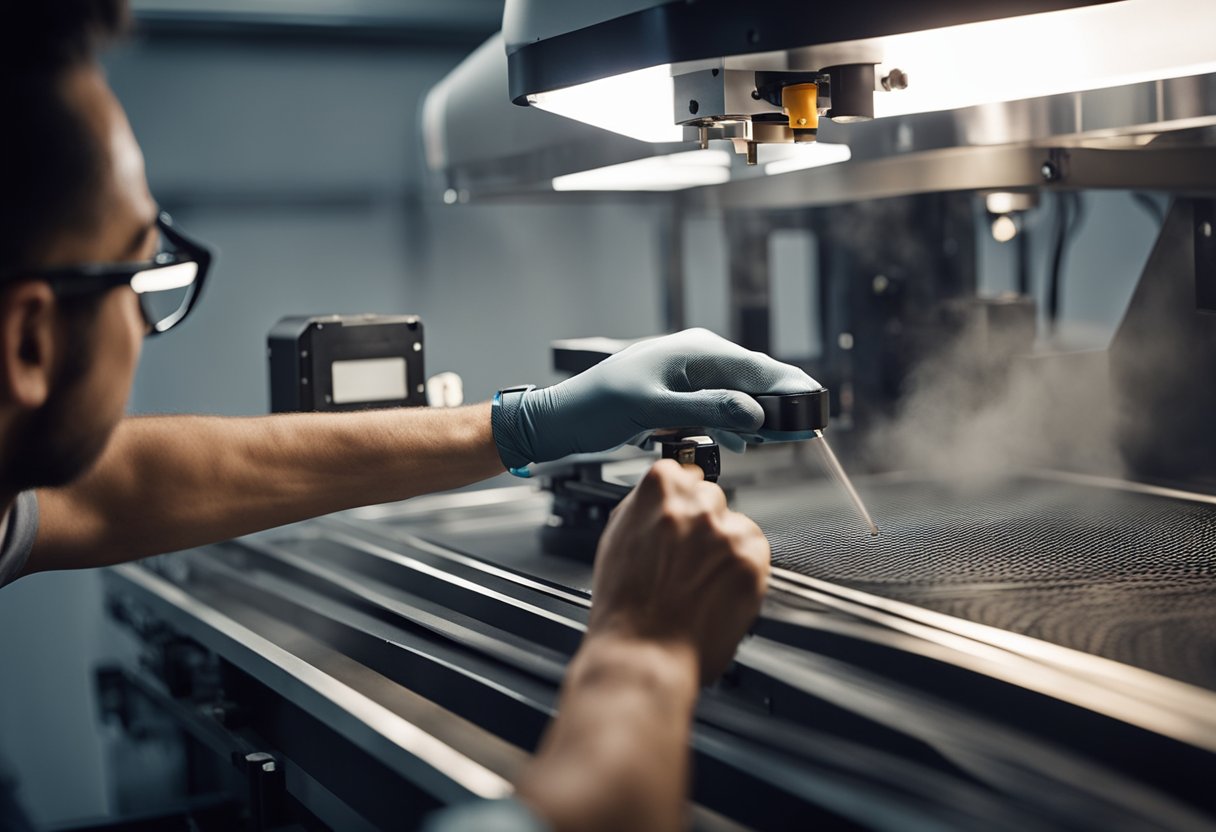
{"type": "Point", "coordinates": [267, 788]}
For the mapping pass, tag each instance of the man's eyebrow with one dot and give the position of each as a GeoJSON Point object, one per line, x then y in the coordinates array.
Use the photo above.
{"type": "Point", "coordinates": [137, 241]}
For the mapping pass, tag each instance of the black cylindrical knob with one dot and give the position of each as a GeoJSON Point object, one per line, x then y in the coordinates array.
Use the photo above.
{"type": "Point", "coordinates": [852, 92]}
{"type": "Point", "coordinates": [789, 412]}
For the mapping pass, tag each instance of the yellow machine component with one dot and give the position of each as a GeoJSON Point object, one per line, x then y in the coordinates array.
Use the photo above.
{"type": "Point", "coordinates": [801, 103]}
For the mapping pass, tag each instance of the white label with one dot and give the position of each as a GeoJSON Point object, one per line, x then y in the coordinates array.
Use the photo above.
{"type": "Point", "coordinates": [369, 380]}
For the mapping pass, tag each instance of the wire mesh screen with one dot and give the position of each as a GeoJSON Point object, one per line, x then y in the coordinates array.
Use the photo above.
{"type": "Point", "coordinates": [1127, 576]}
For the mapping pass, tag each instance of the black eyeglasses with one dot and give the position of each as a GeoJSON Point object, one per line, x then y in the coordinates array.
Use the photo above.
{"type": "Point", "coordinates": [168, 285]}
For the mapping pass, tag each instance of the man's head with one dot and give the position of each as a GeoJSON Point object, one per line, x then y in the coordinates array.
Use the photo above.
{"type": "Point", "coordinates": [72, 192]}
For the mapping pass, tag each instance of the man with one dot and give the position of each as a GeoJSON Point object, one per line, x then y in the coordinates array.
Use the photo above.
{"type": "Point", "coordinates": [89, 267]}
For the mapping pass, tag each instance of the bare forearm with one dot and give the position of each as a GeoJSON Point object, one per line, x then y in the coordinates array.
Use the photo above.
{"type": "Point", "coordinates": [616, 757]}
{"type": "Point", "coordinates": [167, 483]}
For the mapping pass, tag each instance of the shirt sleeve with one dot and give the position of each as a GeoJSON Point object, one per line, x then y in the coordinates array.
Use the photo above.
{"type": "Point", "coordinates": [19, 536]}
{"type": "Point", "coordinates": [485, 816]}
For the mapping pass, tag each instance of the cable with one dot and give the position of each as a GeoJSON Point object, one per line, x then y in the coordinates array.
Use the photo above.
{"type": "Point", "coordinates": [1070, 210]}
{"type": "Point", "coordinates": [1022, 240]}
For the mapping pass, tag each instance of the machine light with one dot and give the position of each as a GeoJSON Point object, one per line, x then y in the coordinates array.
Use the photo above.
{"type": "Point", "coordinates": [803, 156]}
{"type": "Point", "coordinates": [1095, 47]}
{"type": "Point", "coordinates": [1004, 228]}
{"type": "Point", "coordinates": [635, 104]}
{"type": "Point", "coordinates": [657, 173]}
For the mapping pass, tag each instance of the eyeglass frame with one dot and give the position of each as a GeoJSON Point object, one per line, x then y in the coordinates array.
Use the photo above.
{"type": "Point", "coordinates": [76, 281]}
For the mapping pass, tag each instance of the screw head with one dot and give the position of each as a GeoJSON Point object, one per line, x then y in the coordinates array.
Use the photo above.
{"type": "Point", "coordinates": [896, 79]}
{"type": "Point", "coordinates": [1206, 229]}
{"type": "Point", "coordinates": [1049, 171]}
{"type": "Point", "coordinates": [802, 121]}
{"type": "Point", "coordinates": [693, 106]}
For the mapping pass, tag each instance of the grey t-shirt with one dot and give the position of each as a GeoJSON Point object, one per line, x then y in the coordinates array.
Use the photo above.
{"type": "Point", "coordinates": [18, 536]}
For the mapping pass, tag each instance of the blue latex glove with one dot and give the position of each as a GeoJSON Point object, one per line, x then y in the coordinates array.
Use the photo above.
{"type": "Point", "coordinates": [693, 379]}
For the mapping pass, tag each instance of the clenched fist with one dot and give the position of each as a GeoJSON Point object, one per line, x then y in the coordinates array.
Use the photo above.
{"type": "Point", "coordinates": [678, 567]}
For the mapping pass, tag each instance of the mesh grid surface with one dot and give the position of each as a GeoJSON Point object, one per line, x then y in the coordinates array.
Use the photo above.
{"type": "Point", "coordinates": [1127, 576]}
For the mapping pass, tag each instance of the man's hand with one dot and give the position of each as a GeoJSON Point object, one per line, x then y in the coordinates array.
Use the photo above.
{"type": "Point", "coordinates": [692, 379]}
{"type": "Point", "coordinates": [677, 567]}
{"type": "Point", "coordinates": [679, 578]}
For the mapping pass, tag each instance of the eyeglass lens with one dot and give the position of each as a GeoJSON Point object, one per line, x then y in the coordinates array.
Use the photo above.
{"type": "Point", "coordinates": [165, 292]}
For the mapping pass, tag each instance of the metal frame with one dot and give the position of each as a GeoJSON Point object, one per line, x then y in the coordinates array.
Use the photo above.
{"type": "Point", "coordinates": [456, 630]}
{"type": "Point", "coordinates": [675, 32]}
{"type": "Point", "coordinates": [419, 756]}
{"type": "Point", "coordinates": [1182, 170]}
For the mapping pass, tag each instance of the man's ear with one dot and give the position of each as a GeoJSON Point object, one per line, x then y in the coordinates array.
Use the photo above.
{"type": "Point", "coordinates": [27, 343]}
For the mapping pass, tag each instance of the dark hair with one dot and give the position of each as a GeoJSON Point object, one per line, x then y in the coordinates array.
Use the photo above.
{"type": "Point", "coordinates": [50, 164]}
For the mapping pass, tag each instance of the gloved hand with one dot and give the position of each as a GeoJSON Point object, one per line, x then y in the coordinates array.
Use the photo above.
{"type": "Point", "coordinates": [693, 379]}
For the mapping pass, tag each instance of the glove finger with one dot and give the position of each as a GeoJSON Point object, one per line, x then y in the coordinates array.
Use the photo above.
{"type": "Point", "coordinates": [721, 409]}
{"type": "Point", "coordinates": [751, 372]}
{"type": "Point", "coordinates": [714, 362]}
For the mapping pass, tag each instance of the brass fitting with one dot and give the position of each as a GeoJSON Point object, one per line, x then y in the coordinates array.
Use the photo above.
{"type": "Point", "coordinates": [801, 103]}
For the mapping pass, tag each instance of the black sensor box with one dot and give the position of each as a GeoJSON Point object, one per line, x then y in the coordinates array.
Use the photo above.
{"type": "Point", "coordinates": [346, 362]}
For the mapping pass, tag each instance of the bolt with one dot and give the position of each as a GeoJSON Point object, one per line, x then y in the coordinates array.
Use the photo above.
{"type": "Point", "coordinates": [755, 95]}
{"type": "Point", "coordinates": [1049, 171]}
{"type": "Point", "coordinates": [714, 72]}
{"type": "Point", "coordinates": [417, 346]}
{"type": "Point", "coordinates": [896, 79]}
{"type": "Point", "coordinates": [421, 388]}
{"type": "Point", "coordinates": [802, 121]}
{"type": "Point", "coordinates": [693, 106]}
{"type": "Point", "coordinates": [703, 138]}
{"type": "Point", "coordinates": [1206, 229]}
